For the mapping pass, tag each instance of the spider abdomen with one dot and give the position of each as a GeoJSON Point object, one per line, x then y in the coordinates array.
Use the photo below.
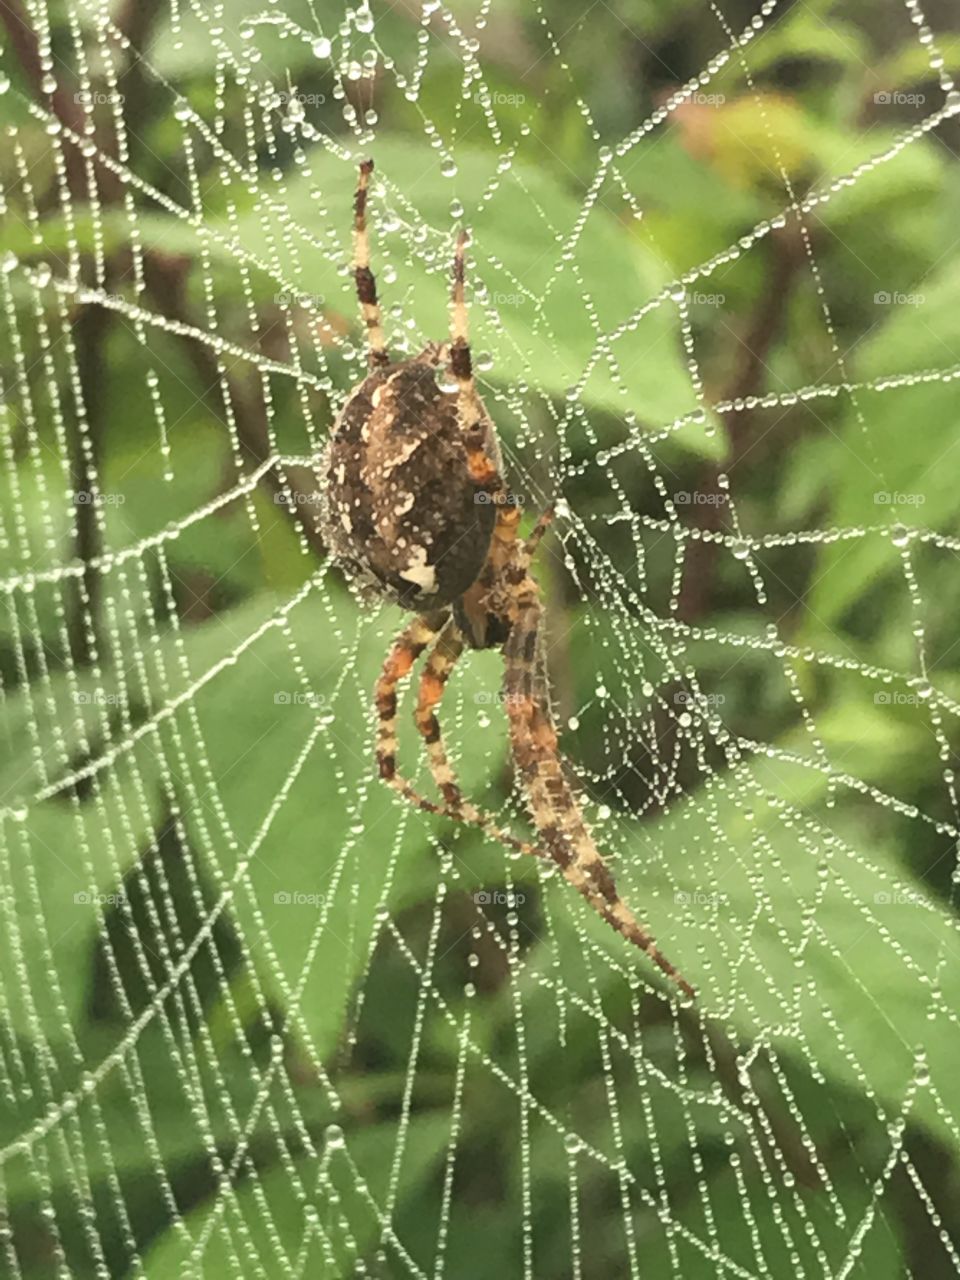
{"type": "Point", "coordinates": [400, 505]}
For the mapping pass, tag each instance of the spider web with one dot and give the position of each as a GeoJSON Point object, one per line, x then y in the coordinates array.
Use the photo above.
{"type": "Point", "coordinates": [262, 1019]}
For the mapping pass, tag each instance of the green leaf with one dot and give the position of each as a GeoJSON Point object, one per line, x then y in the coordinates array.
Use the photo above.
{"type": "Point", "coordinates": [335, 1219]}
{"type": "Point", "coordinates": [544, 318]}
{"type": "Point", "coordinates": [887, 474]}
{"type": "Point", "coordinates": [784, 920]}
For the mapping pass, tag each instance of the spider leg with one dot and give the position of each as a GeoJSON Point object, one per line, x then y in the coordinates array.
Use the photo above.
{"type": "Point", "coordinates": [544, 521]}
{"type": "Point", "coordinates": [406, 649]}
{"type": "Point", "coordinates": [473, 418]}
{"type": "Point", "coordinates": [433, 682]}
{"type": "Point", "coordinates": [553, 805]}
{"type": "Point", "coordinates": [364, 277]}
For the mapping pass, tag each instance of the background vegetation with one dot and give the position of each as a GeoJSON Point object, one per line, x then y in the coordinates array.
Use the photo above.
{"type": "Point", "coordinates": [142, 760]}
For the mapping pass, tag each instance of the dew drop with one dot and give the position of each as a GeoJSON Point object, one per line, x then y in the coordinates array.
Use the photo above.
{"type": "Point", "coordinates": [333, 1136]}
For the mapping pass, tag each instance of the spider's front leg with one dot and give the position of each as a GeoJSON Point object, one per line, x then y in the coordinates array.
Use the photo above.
{"type": "Point", "coordinates": [553, 806]}
{"type": "Point", "coordinates": [406, 649]}
{"type": "Point", "coordinates": [433, 682]}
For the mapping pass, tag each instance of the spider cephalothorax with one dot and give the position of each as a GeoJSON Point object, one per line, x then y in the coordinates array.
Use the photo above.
{"type": "Point", "coordinates": [416, 506]}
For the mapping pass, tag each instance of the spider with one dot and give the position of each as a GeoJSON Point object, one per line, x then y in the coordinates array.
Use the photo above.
{"type": "Point", "coordinates": [416, 507]}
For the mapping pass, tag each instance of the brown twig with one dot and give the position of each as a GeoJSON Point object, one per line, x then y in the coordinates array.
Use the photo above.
{"type": "Point", "coordinates": [166, 279]}
{"type": "Point", "coordinates": [91, 324]}
{"type": "Point", "coordinates": [764, 328]}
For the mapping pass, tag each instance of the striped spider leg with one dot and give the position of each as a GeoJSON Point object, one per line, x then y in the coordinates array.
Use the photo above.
{"type": "Point", "coordinates": [553, 806]}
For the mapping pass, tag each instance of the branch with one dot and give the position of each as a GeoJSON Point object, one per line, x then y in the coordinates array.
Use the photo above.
{"type": "Point", "coordinates": [765, 327]}
{"type": "Point", "coordinates": [91, 323]}
{"type": "Point", "coordinates": [166, 282]}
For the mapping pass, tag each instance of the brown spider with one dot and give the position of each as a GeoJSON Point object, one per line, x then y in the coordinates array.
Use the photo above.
{"type": "Point", "coordinates": [416, 505]}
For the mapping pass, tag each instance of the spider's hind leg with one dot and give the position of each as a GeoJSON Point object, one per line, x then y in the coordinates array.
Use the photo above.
{"type": "Point", "coordinates": [472, 415]}
{"type": "Point", "coordinates": [544, 521]}
{"type": "Point", "coordinates": [364, 277]}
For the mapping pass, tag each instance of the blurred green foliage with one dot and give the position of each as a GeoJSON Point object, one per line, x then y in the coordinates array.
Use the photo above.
{"type": "Point", "coordinates": [220, 797]}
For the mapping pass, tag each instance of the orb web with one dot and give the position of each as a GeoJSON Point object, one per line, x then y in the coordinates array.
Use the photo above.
{"type": "Point", "coordinates": [259, 1018]}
